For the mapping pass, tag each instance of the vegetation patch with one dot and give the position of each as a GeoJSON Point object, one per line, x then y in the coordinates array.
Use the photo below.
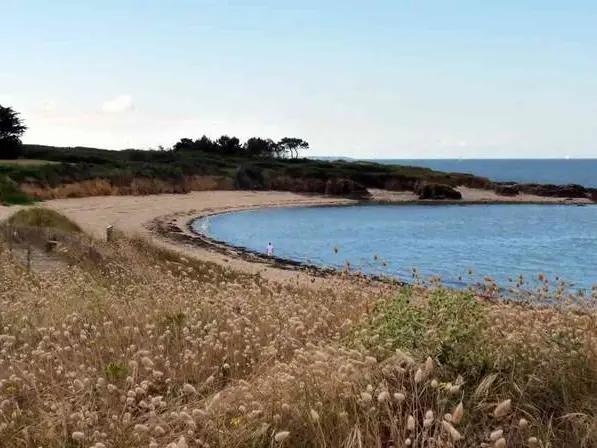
{"type": "Point", "coordinates": [43, 218]}
{"type": "Point", "coordinates": [11, 194]}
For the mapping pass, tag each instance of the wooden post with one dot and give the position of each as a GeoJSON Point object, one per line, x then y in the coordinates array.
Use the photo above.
{"type": "Point", "coordinates": [109, 233]}
{"type": "Point", "coordinates": [28, 257]}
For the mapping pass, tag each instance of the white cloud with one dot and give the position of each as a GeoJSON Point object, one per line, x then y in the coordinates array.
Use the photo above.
{"type": "Point", "coordinates": [118, 105]}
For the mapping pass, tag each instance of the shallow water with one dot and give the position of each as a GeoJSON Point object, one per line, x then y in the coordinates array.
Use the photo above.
{"type": "Point", "coordinates": [500, 241]}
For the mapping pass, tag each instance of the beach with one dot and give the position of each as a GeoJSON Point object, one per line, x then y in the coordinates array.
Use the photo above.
{"type": "Point", "coordinates": [142, 215]}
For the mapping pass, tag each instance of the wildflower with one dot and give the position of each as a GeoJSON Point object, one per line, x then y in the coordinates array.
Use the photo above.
{"type": "Point", "coordinates": [523, 423]}
{"type": "Point", "coordinates": [408, 442]}
{"type": "Point", "coordinates": [457, 413]}
{"type": "Point", "coordinates": [281, 436]}
{"type": "Point", "coordinates": [159, 431]}
{"type": "Point", "coordinates": [533, 441]}
{"type": "Point", "coordinates": [314, 415]}
{"type": "Point", "coordinates": [502, 408]}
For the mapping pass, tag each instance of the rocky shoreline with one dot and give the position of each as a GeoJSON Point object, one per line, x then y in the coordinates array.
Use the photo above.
{"type": "Point", "coordinates": [169, 228]}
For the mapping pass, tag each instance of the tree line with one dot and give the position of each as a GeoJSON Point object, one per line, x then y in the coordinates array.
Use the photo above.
{"type": "Point", "coordinates": [253, 147]}
{"type": "Point", "coordinates": [12, 128]}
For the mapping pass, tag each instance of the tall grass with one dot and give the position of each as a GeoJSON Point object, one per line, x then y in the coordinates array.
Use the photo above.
{"type": "Point", "coordinates": [138, 346]}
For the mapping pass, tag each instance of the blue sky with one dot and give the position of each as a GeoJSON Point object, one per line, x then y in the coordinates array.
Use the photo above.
{"type": "Point", "coordinates": [390, 79]}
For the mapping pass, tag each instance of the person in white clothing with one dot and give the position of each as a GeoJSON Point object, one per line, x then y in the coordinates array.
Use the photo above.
{"type": "Point", "coordinates": [270, 249]}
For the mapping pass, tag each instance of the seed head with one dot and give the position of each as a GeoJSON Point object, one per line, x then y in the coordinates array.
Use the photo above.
{"type": "Point", "coordinates": [457, 413]}
{"type": "Point", "coordinates": [500, 443]}
{"type": "Point", "coordinates": [141, 429]}
{"type": "Point", "coordinates": [383, 396]}
{"type": "Point", "coordinates": [78, 436]}
{"type": "Point", "coordinates": [419, 376]}
{"type": "Point", "coordinates": [281, 436]}
{"type": "Point", "coordinates": [428, 366]}
{"type": "Point", "coordinates": [454, 434]}
{"type": "Point", "coordinates": [399, 397]}
{"type": "Point", "coordinates": [498, 433]}
{"type": "Point", "coordinates": [410, 423]}
{"type": "Point", "coordinates": [189, 389]}
{"type": "Point", "coordinates": [502, 408]}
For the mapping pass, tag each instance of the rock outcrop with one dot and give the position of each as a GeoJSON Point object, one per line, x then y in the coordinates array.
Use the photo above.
{"type": "Point", "coordinates": [427, 190]}
{"type": "Point", "coordinates": [507, 189]}
{"type": "Point", "coordinates": [555, 191]}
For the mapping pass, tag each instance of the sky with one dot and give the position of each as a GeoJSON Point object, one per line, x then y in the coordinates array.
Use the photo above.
{"type": "Point", "coordinates": [368, 79]}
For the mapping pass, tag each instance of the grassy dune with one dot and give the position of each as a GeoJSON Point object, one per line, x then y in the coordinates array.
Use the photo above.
{"type": "Point", "coordinates": [132, 346]}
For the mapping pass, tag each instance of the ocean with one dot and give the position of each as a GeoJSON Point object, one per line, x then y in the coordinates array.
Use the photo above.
{"type": "Point", "coordinates": [543, 171]}
{"type": "Point", "coordinates": [501, 241]}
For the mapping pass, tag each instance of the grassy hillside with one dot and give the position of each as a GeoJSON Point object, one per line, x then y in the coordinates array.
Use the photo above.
{"type": "Point", "coordinates": [132, 346]}
{"type": "Point", "coordinates": [90, 171]}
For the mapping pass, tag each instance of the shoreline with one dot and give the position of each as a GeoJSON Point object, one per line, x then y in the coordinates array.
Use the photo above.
{"type": "Point", "coordinates": [163, 220]}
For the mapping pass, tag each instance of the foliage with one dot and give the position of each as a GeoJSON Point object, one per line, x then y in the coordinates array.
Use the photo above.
{"type": "Point", "coordinates": [10, 194]}
{"type": "Point", "coordinates": [445, 324]}
{"type": "Point", "coordinates": [45, 218]}
{"type": "Point", "coordinates": [253, 147]}
{"type": "Point", "coordinates": [11, 130]}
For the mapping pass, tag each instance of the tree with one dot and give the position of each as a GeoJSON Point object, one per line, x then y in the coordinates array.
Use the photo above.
{"type": "Point", "coordinates": [11, 130]}
{"type": "Point", "coordinates": [185, 144]}
{"type": "Point", "coordinates": [292, 146]}
{"type": "Point", "coordinates": [260, 147]}
{"type": "Point", "coordinates": [229, 145]}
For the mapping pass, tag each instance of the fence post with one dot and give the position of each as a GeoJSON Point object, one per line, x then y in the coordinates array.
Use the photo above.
{"type": "Point", "coordinates": [28, 257]}
{"type": "Point", "coordinates": [109, 233]}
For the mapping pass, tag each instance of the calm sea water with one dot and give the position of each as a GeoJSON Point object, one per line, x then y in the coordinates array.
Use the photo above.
{"type": "Point", "coordinates": [443, 240]}
{"type": "Point", "coordinates": [544, 171]}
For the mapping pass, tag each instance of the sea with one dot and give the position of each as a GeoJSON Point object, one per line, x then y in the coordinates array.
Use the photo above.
{"type": "Point", "coordinates": [459, 244]}
{"type": "Point", "coordinates": [542, 171]}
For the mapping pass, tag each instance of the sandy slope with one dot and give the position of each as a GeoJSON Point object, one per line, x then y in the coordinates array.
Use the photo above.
{"type": "Point", "coordinates": [131, 213]}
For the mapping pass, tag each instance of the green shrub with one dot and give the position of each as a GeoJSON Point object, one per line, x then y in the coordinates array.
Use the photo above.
{"type": "Point", "coordinates": [447, 325]}
{"type": "Point", "coordinates": [10, 193]}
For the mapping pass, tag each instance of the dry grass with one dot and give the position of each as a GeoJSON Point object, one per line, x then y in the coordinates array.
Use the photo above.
{"type": "Point", "coordinates": [137, 187]}
{"type": "Point", "coordinates": [138, 347]}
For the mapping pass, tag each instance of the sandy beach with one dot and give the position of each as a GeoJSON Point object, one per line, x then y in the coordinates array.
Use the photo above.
{"type": "Point", "coordinates": [134, 215]}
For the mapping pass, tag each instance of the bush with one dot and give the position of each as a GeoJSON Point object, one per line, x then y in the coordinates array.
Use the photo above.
{"type": "Point", "coordinates": [446, 325]}
{"type": "Point", "coordinates": [249, 177]}
{"type": "Point", "coordinates": [43, 217]}
{"type": "Point", "coordinates": [10, 193]}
